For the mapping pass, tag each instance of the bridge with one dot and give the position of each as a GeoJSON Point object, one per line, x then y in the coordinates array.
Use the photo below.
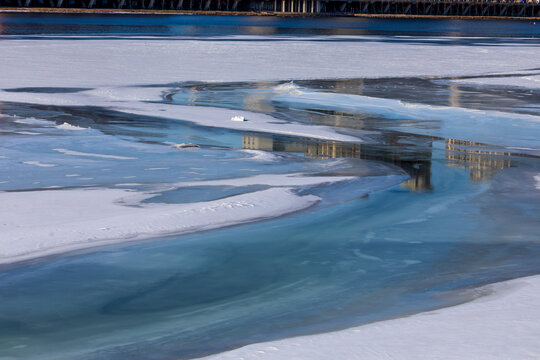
{"type": "Point", "coordinates": [411, 8]}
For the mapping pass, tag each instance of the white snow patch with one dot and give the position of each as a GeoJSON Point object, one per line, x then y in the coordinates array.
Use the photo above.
{"type": "Point", "coordinates": [529, 82]}
{"type": "Point", "coordinates": [294, 179]}
{"type": "Point", "coordinates": [37, 163]}
{"type": "Point", "coordinates": [78, 153]}
{"type": "Point", "coordinates": [186, 146]}
{"type": "Point", "coordinates": [27, 133]}
{"type": "Point", "coordinates": [501, 325]}
{"type": "Point", "coordinates": [238, 118]}
{"type": "Point", "coordinates": [34, 121]}
{"type": "Point", "coordinates": [67, 126]}
{"type": "Point", "coordinates": [289, 88]}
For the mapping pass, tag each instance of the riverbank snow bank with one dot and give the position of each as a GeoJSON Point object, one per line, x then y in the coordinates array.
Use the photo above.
{"type": "Point", "coordinates": [500, 325]}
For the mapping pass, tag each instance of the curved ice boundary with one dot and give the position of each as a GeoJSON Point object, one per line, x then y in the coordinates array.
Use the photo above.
{"type": "Point", "coordinates": [40, 223]}
{"type": "Point", "coordinates": [484, 126]}
{"type": "Point", "coordinates": [146, 101]}
{"type": "Point", "coordinates": [502, 323]}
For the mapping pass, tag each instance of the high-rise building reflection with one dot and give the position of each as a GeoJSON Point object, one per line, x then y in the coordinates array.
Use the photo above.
{"type": "Point", "coordinates": [416, 164]}
{"type": "Point", "coordinates": [482, 164]}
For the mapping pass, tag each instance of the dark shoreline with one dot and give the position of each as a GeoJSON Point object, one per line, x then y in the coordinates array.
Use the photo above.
{"type": "Point", "coordinates": [252, 13]}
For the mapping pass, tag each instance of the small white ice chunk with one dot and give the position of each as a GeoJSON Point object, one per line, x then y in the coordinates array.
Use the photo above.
{"type": "Point", "coordinates": [186, 146]}
{"type": "Point", "coordinates": [238, 118]}
{"type": "Point", "coordinates": [68, 126]}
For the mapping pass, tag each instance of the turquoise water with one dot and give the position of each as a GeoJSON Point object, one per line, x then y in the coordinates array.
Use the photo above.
{"type": "Point", "coordinates": [465, 214]}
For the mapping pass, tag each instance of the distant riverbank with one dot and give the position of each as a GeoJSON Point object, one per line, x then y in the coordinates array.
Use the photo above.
{"type": "Point", "coordinates": [252, 13]}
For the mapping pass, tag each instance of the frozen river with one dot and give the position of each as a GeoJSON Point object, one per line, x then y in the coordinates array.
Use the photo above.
{"type": "Point", "coordinates": [381, 166]}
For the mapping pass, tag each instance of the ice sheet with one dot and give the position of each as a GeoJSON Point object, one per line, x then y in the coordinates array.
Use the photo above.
{"type": "Point", "coordinates": [529, 81]}
{"type": "Point", "coordinates": [483, 126]}
{"type": "Point", "coordinates": [129, 100]}
{"type": "Point", "coordinates": [495, 326]}
{"type": "Point", "coordinates": [39, 223]}
{"type": "Point", "coordinates": [113, 62]}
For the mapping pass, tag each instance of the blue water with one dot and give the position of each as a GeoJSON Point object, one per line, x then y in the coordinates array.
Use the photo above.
{"type": "Point", "coordinates": [465, 214]}
{"type": "Point", "coordinates": [208, 25]}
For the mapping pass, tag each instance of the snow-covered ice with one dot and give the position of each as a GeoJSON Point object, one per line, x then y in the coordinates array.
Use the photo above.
{"type": "Point", "coordinates": [499, 324]}
{"type": "Point", "coordinates": [125, 100]}
{"type": "Point", "coordinates": [46, 222]}
{"type": "Point", "coordinates": [527, 81]}
{"type": "Point", "coordinates": [223, 59]}
{"type": "Point", "coordinates": [39, 223]}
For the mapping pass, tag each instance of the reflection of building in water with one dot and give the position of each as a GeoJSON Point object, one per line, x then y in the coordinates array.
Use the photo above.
{"type": "Point", "coordinates": [454, 96]}
{"type": "Point", "coordinates": [482, 164]}
{"type": "Point", "coordinates": [259, 101]}
{"type": "Point", "coordinates": [417, 165]}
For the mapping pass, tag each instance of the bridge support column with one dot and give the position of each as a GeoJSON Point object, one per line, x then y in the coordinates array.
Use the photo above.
{"type": "Point", "coordinates": [282, 5]}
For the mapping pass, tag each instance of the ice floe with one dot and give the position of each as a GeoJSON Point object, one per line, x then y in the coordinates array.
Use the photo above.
{"type": "Point", "coordinates": [39, 223]}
